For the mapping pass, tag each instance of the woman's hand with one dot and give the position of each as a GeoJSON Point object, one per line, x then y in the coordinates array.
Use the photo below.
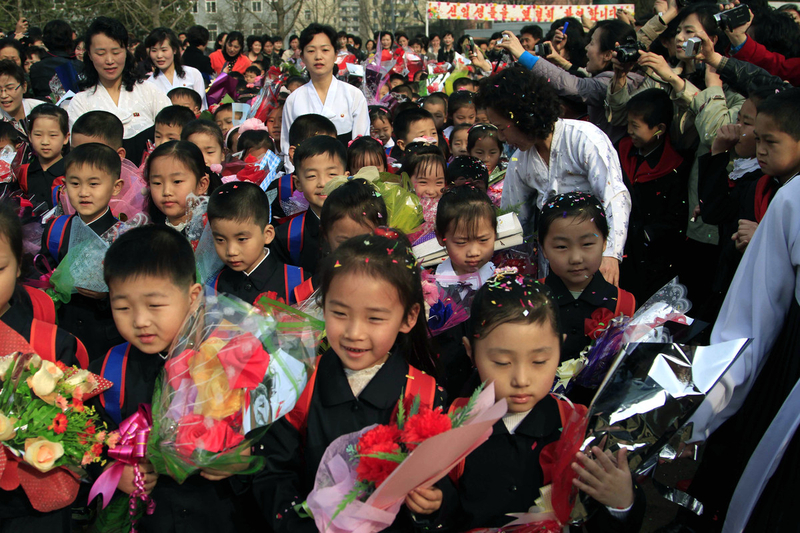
{"type": "Point", "coordinates": [712, 77]}
{"type": "Point", "coordinates": [606, 478]}
{"type": "Point", "coordinates": [609, 268]}
{"type": "Point", "coordinates": [626, 16]}
{"type": "Point", "coordinates": [660, 66]}
{"type": "Point", "coordinates": [621, 71]}
{"type": "Point", "coordinates": [511, 43]}
{"type": "Point", "coordinates": [559, 42]}
{"type": "Point", "coordinates": [556, 58]}
{"type": "Point", "coordinates": [707, 54]}
{"type": "Point", "coordinates": [424, 501]}
{"type": "Point", "coordinates": [217, 475]}
{"type": "Point", "coordinates": [479, 61]}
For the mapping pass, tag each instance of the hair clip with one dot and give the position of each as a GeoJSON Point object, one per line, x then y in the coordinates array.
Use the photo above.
{"type": "Point", "coordinates": [384, 231]}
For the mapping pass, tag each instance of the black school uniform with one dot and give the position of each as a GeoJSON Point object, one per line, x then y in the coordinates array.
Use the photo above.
{"type": "Point", "coordinates": [292, 459]}
{"type": "Point", "coordinates": [297, 241]}
{"type": "Point", "coordinates": [87, 318]}
{"type": "Point", "coordinates": [504, 475]}
{"type": "Point", "coordinates": [40, 181]}
{"type": "Point", "coordinates": [658, 183]}
{"type": "Point", "coordinates": [270, 276]}
{"type": "Point", "coordinates": [196, 505]}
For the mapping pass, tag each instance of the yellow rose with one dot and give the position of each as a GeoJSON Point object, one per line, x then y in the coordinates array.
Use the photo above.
{"type": "Point", "coordinates": [204, 363]}
{"type": "Point", "coordinates": [7, 427]}
{"type": "Point", "coordinates": [42, 454]}
{"type": "Point", "coordinates": [44, 381]}
{"type": "Point", "coordinates": [214, 396]}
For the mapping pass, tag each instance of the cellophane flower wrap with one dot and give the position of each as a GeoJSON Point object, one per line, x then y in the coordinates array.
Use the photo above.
{"type": "Point", "coordinates": [364, 477]}
{"type": "Point", "coordinates": [47, 434]}
{"type": "Point", "coordinates": [448, 299]}
{"type": "Point", "coordinates": [231, 372]}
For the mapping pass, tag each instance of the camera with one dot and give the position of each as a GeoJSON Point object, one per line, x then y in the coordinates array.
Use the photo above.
{"type": "Point", "coordinates": [691, 46]}
{"type": "Point", "coordinates": [733, 18]}
{"type": "Point", "coordinates": [543, 49]}
{"type": "Point", "coordinates": [629, 52]}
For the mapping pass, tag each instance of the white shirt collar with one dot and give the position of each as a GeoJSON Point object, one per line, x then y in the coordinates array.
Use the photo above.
{"type": "Point", "coordinates": [483, 274]}
{"type": "Point", "coordinates": [258, 264]}
{"type": "Point", "coordinates": [98, 218]}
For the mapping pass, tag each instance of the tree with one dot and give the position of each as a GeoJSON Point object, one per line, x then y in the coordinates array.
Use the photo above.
{"type": "Point", "coordinates": [286, 13]}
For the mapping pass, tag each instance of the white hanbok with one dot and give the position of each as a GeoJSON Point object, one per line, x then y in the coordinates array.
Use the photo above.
{"type": "Point", "coordinates": [191, 79]}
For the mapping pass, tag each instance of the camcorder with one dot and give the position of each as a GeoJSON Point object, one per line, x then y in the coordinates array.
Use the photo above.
{"type": "Point", "coordinates": [629, 51]}
{"type": "Point", "coordinates": [733, 18]}
{"type": "Point", "coordinates": [543, 49]}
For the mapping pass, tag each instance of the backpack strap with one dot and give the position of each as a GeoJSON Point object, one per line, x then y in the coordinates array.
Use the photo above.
{"type": "Point", "coordinates": [626, 303]}
{"type": "Point", "coordinates": [43, 339]}
{"type": "Point", "coordinates": [43, 307]}
{"type": "Point", "coordinates": [114, 368]}
{"type": "Point", "coordinates": [294, 278]}
{"type": "Point", "coordinates": [55, 235]}
{"type": "Point", "coordinates": [56, 190]}
{"type": "Point", "coordinates": [285, 186]}
{"type": "Point", "coordinates": [298, 417]}
{"type": "Point", "coordinates": [420, 383]}
{"type": "Point", "coordinates": [458, 470]}
{"type": "Point", "coordinates": [297, 225]}
{"type": "Point", "coordinates": [304, 291]}
{"type": "Point", "coordinates": [22, 177]}
{"type": "Point", "coordinates": [213, 282]}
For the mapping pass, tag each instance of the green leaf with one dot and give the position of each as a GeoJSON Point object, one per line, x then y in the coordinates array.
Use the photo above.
{"type": "Point", "coordinates": [401, 413]}
{"type": "Point", "coordinates": [393, 457]}
{"type": "Point", "coordinates": [414, 406]}
{"type": "Point", "coordinates": [460, 415]}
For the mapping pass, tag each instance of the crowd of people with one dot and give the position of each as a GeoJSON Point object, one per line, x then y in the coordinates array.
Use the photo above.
{"type": "Point", "coordinates": [632, 151]}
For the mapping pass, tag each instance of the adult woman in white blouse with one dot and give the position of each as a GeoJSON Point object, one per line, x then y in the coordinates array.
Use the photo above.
{"type": "Point", "coordinates": [554, 155]}
{"type": "Point", "coordinates": [164, 48]}
{"type": "Point", "coordinates": [112, 85]}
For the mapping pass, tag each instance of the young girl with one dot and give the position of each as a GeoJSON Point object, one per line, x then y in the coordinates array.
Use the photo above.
{"type": "Point", "coordinates": [572, 236]}
{"type": "Point", "coordinates": [467, 169]}
{"type": "Point", "coordinates": [49, 134]}
{"type": "Point", "coordinates": [513, 337]}
{"type": "Point", "coordinates": [164, 48]}
{"type": "Point", "coordinates": [274, 125]}
{"type": "Point", "coordinates": [381, 127]}
{"type": "Point", "coordinates": [460, 110]}
{"type": "Point", "coordinates": [254, 143]}
{"type": "Point", "coordinates": [340, 102]}
{"type": "Point", "coordinates": [459, 140]}
{"type": "Point", "coordinates": [208, 137]}
{"type": "Point", "coordinates": [484, 143]}
{"type": "Point", "coordinates": [372, 300]}
{"type": "Point", "coordinates": [436, 105]}
{"type": "Point", "coordinates": [174, 170]}
{"type": "Point", "coordinates": [426, 167]}
{"type": "Point", "coordinates": [353, 208]}
{"type": "Point", "coordinates": [365, 152]}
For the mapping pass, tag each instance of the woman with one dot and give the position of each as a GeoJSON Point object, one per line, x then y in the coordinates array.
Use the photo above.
{"type": "Point", "coordinates": [294, 51]}
{"type": "Point", "coordinates": [433, 49]}
{"type": "Point", "coordinates": [387, 41]}
{"type": "Point", "coordinates": [447, 53]}
{"type": "Point", "coordinates": [220, 42]}
{"type": "Point", "coordinates": [230, 58]}
{"type": "Point", "coordinates": [254, 48]}
{"type": "Point", "coordinates": [111, 85]}
{"type": "Point", "coordinates": [554, 155]}
{"type": "Point", "coordinates": [164, 49]}
{"type": "Point", "coordinates": [12, 87]}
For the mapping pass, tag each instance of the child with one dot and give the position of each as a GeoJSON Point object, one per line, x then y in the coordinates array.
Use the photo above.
{"type": "Point", "coordinates": [170, 122]}
{"type": "Point", "coordinates": [223, 116]}
{"type": "Point", "coordinates": [317, 161]}
{"type": "Point", "coordinates": [92, 179]}
{"type": "Point", "coordinates": [481, 116]}
{"type": "Point", "coordinates": [427, 169]}
{"type": "Point", "coordinates": [465, 84]}
{"type": "Point", "coordinates": [381, 127]}
{"type": "Point", "coordinates": [410, 124]}
{"type": "Point", "coordinates": [187, 98]}
{"type": "Point", "coordinates": [251, 73]}
{"type": "Point", "coordinates": [353, 208]}
{"type": "Point", "coordinates": [468, 170]}
{"type": "Point", "coordinates": [513, 338]}
{"type": "Point", "coordinates": [572, 235]}
{"type": "Point", "coordinates": [254, 143]}
{"type": "Point", "coordinates": [460, 110]}
{"type": "Point", "coordinates": [150, 273]}
{"type": "Point", "coordinates": [372, 302]}
{"type": "Point", "coordinates": [99, 127]}
{"type": "Point", "coordinates": [366, 152]}
{"type": "Point", "coordinates": [342, 103]}
{"type": "Point", "coordinates": [305, 127]}
{"type": "Point", "coordinates": [484, 143]}
{"type": "Point", "coordinates": [174, 170]}
{"type": "Point", "coordinates": [436, 105]}
{"type": "Point", "coordinates": [240, 223]}
{"type": "Point", "coordinates": [9, 136]}
{"type": "Point", "coordinates": [208, 137]}
{"type": "Point", "coordinates": [459, 140]}
{"type": "Point", "coordinates": [657, 177]}
{"type": "Point", "coordinates": [25, 310]}
{"type": "Point", "coordinates": [49, 134]}
{"type": "Point", "coordinates": [274, 123]}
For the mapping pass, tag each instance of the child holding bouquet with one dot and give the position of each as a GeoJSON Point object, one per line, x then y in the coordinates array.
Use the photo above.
{"type": "Point", "coordinates": [150, 273]}
{"type": "Point", "coordinates": [372, 300]}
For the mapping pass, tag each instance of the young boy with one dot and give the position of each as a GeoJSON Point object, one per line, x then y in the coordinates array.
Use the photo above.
{"type": "Point", "coordinates": [187, 98]}
{"type": "Point", "coordinates": [92, 179]}
{"type": "Point", "coordinates": [99, 127]}
{"type": "Point", "coordinates": [223, 116]}
{"type": "Point", "coordinates": [436, 105]}
{"type": "Point", "coordinates": [170, 122]}
{"type": "Point", "coordinates": [657, 177]}
{"type": "Point", "coordinates": [411, 124]}
{"type": "Point", "coordinates": [251, 73]}
{"type": "Point", "coordinates": [150, 273]}
{"type": "Point", "coordinates": [317, 160]}
{"type": "Point", "coordinates": [239, 215]}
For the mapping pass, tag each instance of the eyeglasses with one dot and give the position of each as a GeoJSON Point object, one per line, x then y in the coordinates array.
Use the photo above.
{"type": "Point", "coordinates": [9, 90]}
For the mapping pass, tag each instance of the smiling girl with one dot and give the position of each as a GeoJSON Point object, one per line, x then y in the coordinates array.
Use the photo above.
{"type": "Point", "coordinates": [164, 48]}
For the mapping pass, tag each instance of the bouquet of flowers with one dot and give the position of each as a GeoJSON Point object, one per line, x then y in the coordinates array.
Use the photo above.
{"type": "Point", "coordinates": [448, 299]}
{"type": "Point", "coordinates": [364, 477]}
{"type": "Point", "coordinates": [46, 431]}
{"type": "Point", "coordinates": [231, 372]}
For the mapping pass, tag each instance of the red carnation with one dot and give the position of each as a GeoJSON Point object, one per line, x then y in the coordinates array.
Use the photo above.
{"type": "Point", "coordinates": [424, 425]}
{"type": "Point", "coordinates": [378, 435]}
{"type": "Point", "coordinates": [77, 405]}
{"type": "Point", "coordinates": [59, 424]}
{"type": "Point", "coordinates": [599, 322]}
{"type": "Point", "coordinates": [373, 469]}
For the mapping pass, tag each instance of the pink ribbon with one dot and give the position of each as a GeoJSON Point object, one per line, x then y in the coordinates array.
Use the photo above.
{"type": "Point", "coordinates": [44, 280]}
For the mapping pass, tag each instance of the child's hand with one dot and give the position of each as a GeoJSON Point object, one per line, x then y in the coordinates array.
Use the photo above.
{"type": "Point", "coordinates": [91, 294]}
{"type": "Point", "coordinates": [727, 137]}
{"type": "Point", "coordinates": [217, 475]}
{"type": "Point", "coordinates": [424, 501]}
{"type": "Point", "coordinates": [126, 481]}
{"type": "Point", "coordinates": [603, 480]}
{"type": "Point", "coordinates": [744, 234]}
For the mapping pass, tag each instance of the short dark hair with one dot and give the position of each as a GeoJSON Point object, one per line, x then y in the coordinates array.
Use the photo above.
{"type": "Point", "coordinates": [11, 230]}
{"type": "Point", "coordinates": [320, 145]}
{"type": "Point", "coordinates": [421, 156]}
{"type": "Point", "coordinates": [153, 250]}
{"type": "Point", "coordinates": [252, 139]}
{"type": "Point", "coordinates": [254, 69]}
{"type": "Point", "coordinates": [240, 202]}
{"type": "Point", "coordinates": [296, 79]}
{"type": "Point", "coordinates": [251, 40]}
{"type": "Point", "coordinates": [458, 100]}
{"type": "Point", "coordinates": [365, 149]}
{"type": "Point", "coordinates": [404, 119]}
{"type": "Point", "coordinates": [582, 205]}
{"type": "Point", "coordinates": [309, 125]}
{"type": "Point", "coordinates": [197, 36]}
{"type": "Point", "coordinates": [96, 155]}
{"type": "Point", "coordinates": [464, 206]}
{"type": "Point", "coordinates": [57, 35]}
{"type": "Point", "coordinates": [50, 111]}
{"type": "Point", "coordinates": [533, 30]}
{"type": "Point", "coordinates": [10, 133]}
{"type": "Point", "coordinates": [13, 43]}
{"type": "Point", "coordinates": [463, 82]}
{"type": "Point", "coordinates": [355, 199]}
{"type": "Point", "coordinates": [12, 70]}
{"type": "Point", "coordinates": [313, 29]}
{"type": "Point", "coordinates": [468, 168]}
{"type": "Point", "coordinates": [436, 98]}
{"type": "Point", "coordinates": [175, 115]}
{"type": "Point", "coordinates": [653, 106]}
{"type": "Point", "coordinates": [187, 92]}
{"type": "Point", "coordinates": [203, 126]}
{"type": "Point", "coordinates": [103, 125]}
{"type": "Point", "coordinates": [784, 108]}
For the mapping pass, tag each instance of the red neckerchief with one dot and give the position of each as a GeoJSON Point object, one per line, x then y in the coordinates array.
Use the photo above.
{"type": "Point", "coordinates": [669, 161]}
{"type": "Point", "coordinates": [765, 190]}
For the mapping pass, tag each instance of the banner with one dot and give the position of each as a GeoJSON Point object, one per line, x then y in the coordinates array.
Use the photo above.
{"type": "Point", "coordinates": [521, 12]}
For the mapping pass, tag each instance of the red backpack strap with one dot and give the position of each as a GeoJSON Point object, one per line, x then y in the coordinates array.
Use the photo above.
{"type": "Point", "coordinates": [626, 303]}
{"type": "Point", "coordinates": [298, 417]}
{"type": "Point", "coordinates": [43, 307]}
{"type": "Point", "coordinates": [420, 383]}
{"type": "Point", "coordinates": [22, 177]}
{"type": "Point", "coordinates": [43, 339]}
{"type": "Point", "coordinates": [304, 291]}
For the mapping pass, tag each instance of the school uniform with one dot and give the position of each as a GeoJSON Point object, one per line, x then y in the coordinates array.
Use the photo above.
{"type": "Point", "coordinates": [38, 182]}
{"type": "Point", "coordinates": [658, 185]}
{"type": "Point", "coordinates": [285, 189]}
{"type": "Point", "coordinates": [89, 319]}
{"type": "Point", "coordinates": [292, 457]}
{"type": "Point", "coordinates": [271, 278]}
{"type": "Point", "coordinates": [196, 505]}
{"type": "Point", "coordinates": [191, 79]}
{"type": "Point", "coordinates": [297, 241]}
{"type": "Point", "coordinates": [504, 475]}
